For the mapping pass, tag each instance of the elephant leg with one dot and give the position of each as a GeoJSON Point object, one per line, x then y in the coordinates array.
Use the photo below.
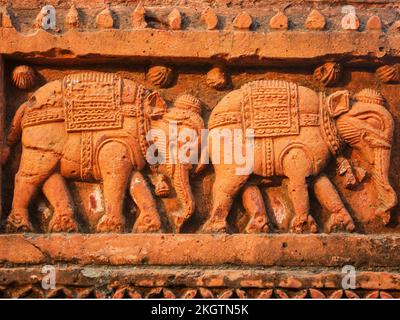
{"type": "Point", "coordinates": [329, 198]}
{"type": "Point", "coordinates": [34, 169]}
{"type": "Point", "coordinates": [148, 219]}
{"type": "Point", "coordinates": [253, 203]}
{"type": "Point", "coordinates": [297, 166]}
{"type": "Point", "coordinates": [115, 167]}
{"type": "Point", "coordinates": [56, 191]}
{"type": "Point", "coordinates": [227, 184]}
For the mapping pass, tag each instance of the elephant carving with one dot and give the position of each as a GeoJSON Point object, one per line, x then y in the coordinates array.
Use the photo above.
{"type": "Point", "coordinates": [92, 127]}
{"type": "Point", "coordinates": [297, 131]}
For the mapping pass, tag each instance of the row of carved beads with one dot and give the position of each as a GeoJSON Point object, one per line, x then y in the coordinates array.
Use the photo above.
{"type": "Point", "coordinates": [106, 19]}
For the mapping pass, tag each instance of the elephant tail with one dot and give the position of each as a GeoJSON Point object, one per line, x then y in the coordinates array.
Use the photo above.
{"type": "Point", "coordinates": [14, 133]}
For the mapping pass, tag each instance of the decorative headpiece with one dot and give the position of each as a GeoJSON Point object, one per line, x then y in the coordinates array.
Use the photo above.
{"type": "Point", "coordinates": [188, 102]}
{"type": "Point", "coordinates": [370, 96]}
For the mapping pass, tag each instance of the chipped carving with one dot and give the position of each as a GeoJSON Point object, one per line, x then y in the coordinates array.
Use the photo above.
{"type": "Point", "coordinates": [328, 74]}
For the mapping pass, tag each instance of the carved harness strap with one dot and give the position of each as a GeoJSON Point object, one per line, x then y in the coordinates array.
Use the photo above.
{"type": "Point", "coordinates": [328, 128]}
{"type": "Point", "coordinates": [87, 151]}
{"type": "Point", "coordinates": [235, 117]}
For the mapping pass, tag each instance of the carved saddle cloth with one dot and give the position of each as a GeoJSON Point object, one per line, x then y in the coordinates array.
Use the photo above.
{"type": "Point", "coordinates": [270, 108]}
{"type": "Point", "coordinates": [92, 101]}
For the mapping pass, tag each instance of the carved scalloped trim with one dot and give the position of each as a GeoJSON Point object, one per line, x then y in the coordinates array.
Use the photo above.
{"type": "Point", "coordinates": [133, 292]}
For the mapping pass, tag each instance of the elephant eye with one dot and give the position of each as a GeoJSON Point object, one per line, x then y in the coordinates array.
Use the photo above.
{"type": "Point", "coordinates": [32, 99]}
{"type": "Point", "coordinates": [373, 121]}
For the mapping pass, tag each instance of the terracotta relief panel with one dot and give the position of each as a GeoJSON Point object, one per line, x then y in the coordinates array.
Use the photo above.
{"type": "Point", "coordinates": [219, 136]}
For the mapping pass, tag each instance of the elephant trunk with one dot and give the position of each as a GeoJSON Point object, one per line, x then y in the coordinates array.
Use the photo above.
{"type": "Point", "coordinates": [184, 195]}
{"type": "Point", "coordinates": [380, 176]}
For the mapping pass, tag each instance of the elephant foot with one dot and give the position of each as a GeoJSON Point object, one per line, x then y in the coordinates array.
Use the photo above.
{"type": "Point", "coordinates": [147, 224]}
{"type": "Point", "coordinates": [257, 225]}
{"type": "Point", "coordinates": [304, 224]}
{"type": "Point", "coordinates": [17, 222]}
{"type": "Point", "coordinates": [63, 223]}
{"type": "Point", "coordinates": [111, 223]}
{"type": "Point", "coordinates": [213, 226]}
{"type": "Point", "coordinates": [340, 221]}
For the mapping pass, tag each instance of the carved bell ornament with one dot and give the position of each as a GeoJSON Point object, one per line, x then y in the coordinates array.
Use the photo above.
{"type": "Point", "coordinates": [23, 77]}
{"type": "Point", "coordinates": [161, 76]}
{"type": "Point", "coordinates": [353, 175]}
{"type": "Point", "coordinates": [162, 188]}
{"type": "Point", "coordinates": [389, 73]}
{"type": "Point", "coordinates": [217, 78]}
{"type": "Point", "coordinates": [329, 74]}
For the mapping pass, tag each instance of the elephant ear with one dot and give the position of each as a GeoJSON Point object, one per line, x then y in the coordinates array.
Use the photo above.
{"type": "Point", "coordinates": [338, 103]}
{"type": "Point", "coordinates": [374, 140]}
{"type": "Point", "coordinates": [155, 106]}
